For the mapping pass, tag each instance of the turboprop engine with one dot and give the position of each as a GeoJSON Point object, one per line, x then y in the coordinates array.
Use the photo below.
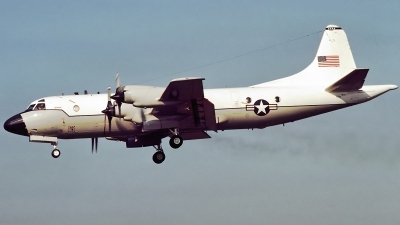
{"type": "Point", "coordinates": [123, 106]}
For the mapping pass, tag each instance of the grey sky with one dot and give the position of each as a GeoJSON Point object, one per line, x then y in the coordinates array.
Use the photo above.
{"type": "Point", "coordinates": [338, 168]}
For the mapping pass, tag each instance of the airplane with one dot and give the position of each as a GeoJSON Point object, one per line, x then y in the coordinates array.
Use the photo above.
{"type": "Point", "coordinates": [142, 116]}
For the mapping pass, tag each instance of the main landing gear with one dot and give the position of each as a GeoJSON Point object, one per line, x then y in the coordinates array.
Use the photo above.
{"type": "Point", "coordinates": [159, 156]}
{"type": "Point", "coordinates": [176, 140]}
{"type": "Point", "coordinates": [55, 153]}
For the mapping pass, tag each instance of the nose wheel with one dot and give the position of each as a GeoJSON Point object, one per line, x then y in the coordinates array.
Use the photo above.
{"type": "Point", "coordinates": [55, 153]}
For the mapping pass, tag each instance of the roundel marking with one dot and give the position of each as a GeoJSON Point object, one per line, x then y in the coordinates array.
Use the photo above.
{"type": "Point", "coordinates": [261, 107]}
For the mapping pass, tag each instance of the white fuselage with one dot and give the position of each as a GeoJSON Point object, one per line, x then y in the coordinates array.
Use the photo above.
{"type": "Point", "coordinates": [80, 116]}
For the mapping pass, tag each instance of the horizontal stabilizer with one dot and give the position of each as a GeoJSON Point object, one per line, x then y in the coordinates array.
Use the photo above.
{"type": "Point", "coordinates": [351, 82]}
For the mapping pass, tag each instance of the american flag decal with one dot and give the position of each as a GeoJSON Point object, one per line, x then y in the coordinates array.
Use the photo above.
{"type": "Point", "coordinates": [328, 61]}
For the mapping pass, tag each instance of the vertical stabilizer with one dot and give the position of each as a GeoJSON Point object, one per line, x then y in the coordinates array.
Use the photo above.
{"type": "Point", "coordinates": [334, 49]}
{"type": "Point", "coordinates": [332, 62]}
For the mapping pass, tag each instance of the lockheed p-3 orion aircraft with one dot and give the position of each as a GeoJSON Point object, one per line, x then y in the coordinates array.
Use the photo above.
{"type": "Point", "coordinates": [142, 116]}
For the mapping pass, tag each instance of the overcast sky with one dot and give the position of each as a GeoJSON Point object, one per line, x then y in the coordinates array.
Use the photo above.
{"type": "Point", "coordinates": [338, 168]}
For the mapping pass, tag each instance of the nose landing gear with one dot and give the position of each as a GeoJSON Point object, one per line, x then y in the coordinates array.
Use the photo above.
{"type": "Point", "coordinates": [55, 153]}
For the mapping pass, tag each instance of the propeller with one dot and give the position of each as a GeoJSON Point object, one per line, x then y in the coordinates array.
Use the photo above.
{"type": "Point", "coordinates": [118, 98]}
{"type": "Point", "coordinates": [95, 142]}
{"type": "Point", "coordinates": [119, 93]}
{"type": "Point", "coordinates": [142, 116]}
{"type": "Point", "coordinates": [110, 110]}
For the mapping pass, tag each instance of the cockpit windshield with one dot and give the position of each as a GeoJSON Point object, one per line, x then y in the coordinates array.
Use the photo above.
{"type": "Point", "coordinates": [30, 108]}
{"type": "Point", "coordinates": [40, 106]}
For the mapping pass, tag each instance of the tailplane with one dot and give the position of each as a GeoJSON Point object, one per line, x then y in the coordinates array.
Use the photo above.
{"type": "Point", "coordinates": [333, 62]}
{"type": "Point", "coordinates": [351, 82]}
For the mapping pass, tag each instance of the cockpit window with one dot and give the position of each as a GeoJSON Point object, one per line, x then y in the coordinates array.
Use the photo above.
{"type": "Point", "coordinates": [30, 108]}
{"type": "Point", "coordinates": [40, 106]}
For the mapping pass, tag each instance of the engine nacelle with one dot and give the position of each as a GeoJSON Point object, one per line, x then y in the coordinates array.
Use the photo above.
{"type": "Point", "coordinates": [131, 113]}
{"type": "Point", "coordinates": [142, 94]}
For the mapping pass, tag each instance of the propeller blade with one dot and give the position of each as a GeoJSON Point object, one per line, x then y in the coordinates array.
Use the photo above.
{"type": "Point", "coordinates": [116, 103]}
{"type": "Point", "coordinates": [104, 125]}
{"type": "Point", "coordinates": [119, 93]}
{"type": "Point", "coordinates": [119, 108]}
{"type": "Point", "coordinates": [109, 94]}
{"type": "Point", "coordinates": [117, 81]}
{"type": "Point", "coordinates": [109, 124]}
{"type": "Point", "coordinates": [143, 117]}
{"type": "Point", "coordinates": [118, 97]}
{"type": "Point", "coordinates": [110, 109]}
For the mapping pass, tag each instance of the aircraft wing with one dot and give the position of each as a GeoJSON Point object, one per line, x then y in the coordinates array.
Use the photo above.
{"type": "Point", "coordinates": [183, 89]}
{"type": "Point", "coordinates": [183, 106]}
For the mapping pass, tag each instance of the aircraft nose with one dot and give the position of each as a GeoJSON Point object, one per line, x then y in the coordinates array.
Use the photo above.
{"type": "Point", "coordinates": [16, 125]}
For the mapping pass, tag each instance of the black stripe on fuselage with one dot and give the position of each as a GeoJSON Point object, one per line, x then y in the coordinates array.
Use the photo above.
{"type": "Point", "coordinates": [292, 106]}
{"type": "Point", "coordinates": [101, 114]}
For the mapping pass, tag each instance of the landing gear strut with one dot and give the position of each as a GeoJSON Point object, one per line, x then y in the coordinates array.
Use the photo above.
{"type": "Point", "coordinates": [55, 153]}
{"type": "Point", "coordinates": [159, 156]}
{"type": "Point", "coordinates": [176, 140]}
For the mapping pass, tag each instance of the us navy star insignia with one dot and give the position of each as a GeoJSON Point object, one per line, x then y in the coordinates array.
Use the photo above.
{"type": "Point", "coordinates": [261, 107]}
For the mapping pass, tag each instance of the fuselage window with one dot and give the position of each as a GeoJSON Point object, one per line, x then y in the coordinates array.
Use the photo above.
{"type": "Point", "coordinates": [30, 108]}
{"type": "Point", "coordinates": [248, 100]}
{"type": "Point", "coordinates": [40, 106]}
